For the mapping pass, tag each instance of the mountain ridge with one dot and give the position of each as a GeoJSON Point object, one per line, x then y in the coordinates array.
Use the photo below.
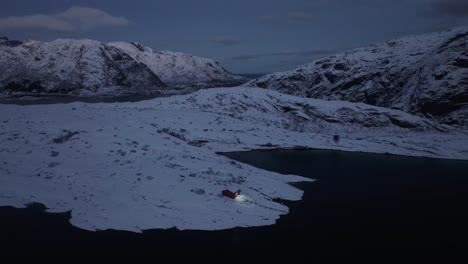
{"type": "Point", "coordinates": [176, 67]}
{"type": "Point", "coordinates": [84, 67]}
{"type": "Point", "coordinates": [420, 74]}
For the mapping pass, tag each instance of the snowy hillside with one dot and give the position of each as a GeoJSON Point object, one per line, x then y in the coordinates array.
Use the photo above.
{"type": "Point", "coordinates": [177, 68]}
{"type": "Point", "coordinates": [90, 68]}
{"type": "Point", "coordinates": [72, 67]}
{"type": "Point", "coordinates": [425, 74]}
{"type": "Point", "coordinates": [153, 164]}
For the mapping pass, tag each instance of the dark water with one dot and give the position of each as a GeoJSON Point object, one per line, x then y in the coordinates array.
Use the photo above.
{"type": "Point", "coordinates": [42, 100]}
{"type": "Point", "coordinates": [176, 89]}
{"type": "Point", "coordinates": [362, 204]}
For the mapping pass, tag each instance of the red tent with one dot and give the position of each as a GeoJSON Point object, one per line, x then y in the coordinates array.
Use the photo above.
{"type": "Point", "coordinates": [230, 194]}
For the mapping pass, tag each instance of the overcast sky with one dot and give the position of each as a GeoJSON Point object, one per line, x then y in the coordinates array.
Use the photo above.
{"type": "Point", "coordinates": [247, 36]}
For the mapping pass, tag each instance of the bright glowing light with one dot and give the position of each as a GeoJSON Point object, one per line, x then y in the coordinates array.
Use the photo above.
{"type": "Point", "coordinates": [240, 198]}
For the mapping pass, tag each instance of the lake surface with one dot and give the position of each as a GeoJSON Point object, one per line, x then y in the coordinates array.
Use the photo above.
{"type": "Point", "coordinates": [362, 204]}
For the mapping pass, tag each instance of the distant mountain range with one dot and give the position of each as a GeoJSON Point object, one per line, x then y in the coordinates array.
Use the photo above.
{"type": "Point", "coordinates": [91, 68]}
{"type": "Point", "coordinates": [425, 74]}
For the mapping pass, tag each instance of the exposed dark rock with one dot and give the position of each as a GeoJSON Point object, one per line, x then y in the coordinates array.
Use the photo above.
{"type": "Point", "coordinates": [401, 123]}
{"type": "Point", "coordinates": [65, 137]}
{"type": "Point", "coordinates": [24, 86]}
{"type": "Point", "coordinates": [138, 46]}
{"type": "Point", "coordinates": [331, 77]}
{"type": "Point", "coordinates": [453, 39]}
{"type": "Point", "coordinates": [340, 67]}
{"type": "Point", "coordinates": [10, 43]}
{"type": "Point", "coordinates": [462, 63]}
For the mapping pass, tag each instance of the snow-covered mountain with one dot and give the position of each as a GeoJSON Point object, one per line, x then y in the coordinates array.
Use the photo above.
{"type": "Point", "coordinates": [162, 167]}
{"type": "Point", "coordinates": [425, 74]}
{"type": "Point", "coordinates": [87, 68]}
{"type": "Point", "coordinates": [72, 67]}
{"type": "Point", "coordinates": [177, 68]}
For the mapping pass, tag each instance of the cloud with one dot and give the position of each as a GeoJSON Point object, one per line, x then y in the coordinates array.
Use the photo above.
{"type": "Point", "coordinates": [311, 53]}
{"type": "Point", "coordinates": [73, 19]}
{"type": "Point", "coordinates": [88, 18]}
{"type": "Point", "coordinates": [226, 40]}
{"type": "Point", "coordinates": [35, 22]}
{"type": "Point", "coordinates": [453, 8]}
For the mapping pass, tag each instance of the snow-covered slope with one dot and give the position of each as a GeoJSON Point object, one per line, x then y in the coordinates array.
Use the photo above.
{"type": "Point", "coordinates": [87, 68]}
{"type": "Point", "coordinates": [177, 68]}
{"type": "Point", "coordinates": [425, 74]}
{"type": "Point", "coordinates": [153, 164]}
{"type": "Point", "coordinates": [73, 67]}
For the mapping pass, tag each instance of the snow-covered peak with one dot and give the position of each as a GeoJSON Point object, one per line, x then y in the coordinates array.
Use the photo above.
{"type": "Point", "coordinates": [176, 67]}
{"type": "Point", "coordinates": [419, 74]}
{"type": "Point", "coordinates": [85, 66]}
{"type": "Point", "coordinates": [76, 67]}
